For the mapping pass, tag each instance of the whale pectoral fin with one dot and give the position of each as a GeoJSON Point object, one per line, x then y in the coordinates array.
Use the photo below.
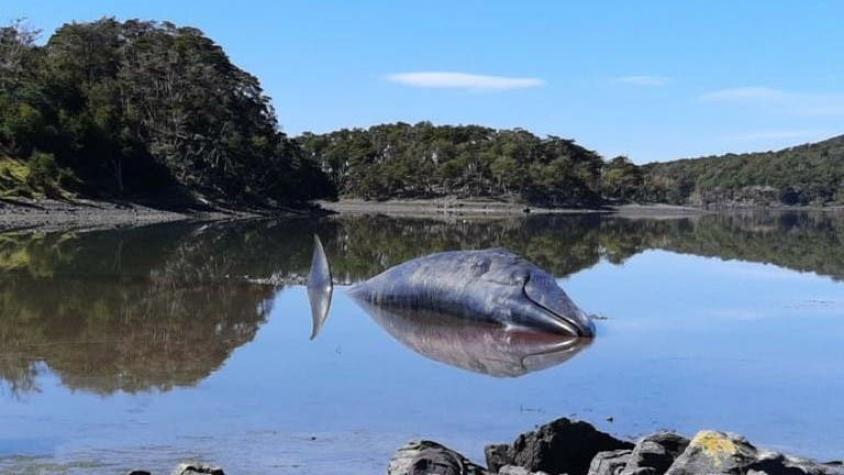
{"type": "Point", "coordinates": [320, 287]}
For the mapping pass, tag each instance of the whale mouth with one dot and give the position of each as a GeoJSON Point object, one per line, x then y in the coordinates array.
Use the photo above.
{"type": "Point", "coordinates": [569, 320]}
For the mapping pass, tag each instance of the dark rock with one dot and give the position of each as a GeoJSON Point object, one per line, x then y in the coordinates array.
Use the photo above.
{"type": "Point", "coordinates": [772, 463]}
{"type": "Point", "coordinates": [609, 463]}
{"type": "Point", "coordinates": [497, 456]}
{"type": "Point", "coordinates": [138, 472]}
{"type": "Point", "coordinates": [430, 458]}
{"type": "Point", "coordinates": [562, 446]}
{"type": "Point", "coordinates": [654, 454]}
{"type": "Point", "coordinates": [197, 469]}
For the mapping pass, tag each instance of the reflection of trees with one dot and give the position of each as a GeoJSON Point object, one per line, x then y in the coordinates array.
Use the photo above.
{"type": "Point", "coordinates": [164, 306]}
{"type": "Point", "coordinates": [126, 310]}
{"type": "Point", "coordinates": [802, 241]}
{"type": "Point", "coordinates": [360, 247]}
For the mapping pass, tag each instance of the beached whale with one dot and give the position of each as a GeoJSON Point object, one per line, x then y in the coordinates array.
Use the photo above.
{"type": "Point", "coordinates": [492, 286]}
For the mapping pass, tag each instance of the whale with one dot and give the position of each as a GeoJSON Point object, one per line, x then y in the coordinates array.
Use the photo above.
{"type": "Point", "coordinates": [490, 286]}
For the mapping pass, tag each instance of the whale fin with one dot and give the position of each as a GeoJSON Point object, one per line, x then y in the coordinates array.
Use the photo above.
{"type": "Point", "coordinates": [320, 287]}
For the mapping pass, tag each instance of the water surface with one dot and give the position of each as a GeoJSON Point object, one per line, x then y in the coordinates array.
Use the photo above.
{"type": "Point", "coordinates": [143, 347]}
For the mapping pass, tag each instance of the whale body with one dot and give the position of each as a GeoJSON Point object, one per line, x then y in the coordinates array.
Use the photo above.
{"type": "Point", "coordinates": [492, 286]}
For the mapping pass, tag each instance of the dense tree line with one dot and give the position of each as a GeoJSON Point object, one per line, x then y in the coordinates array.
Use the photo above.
{"type": "Point", "coordinates": [424, 160]}
{"type": "Point", "coordinates": [122, 109]}
{"type": "Point", "coordinates": [811, 174]}
{"type": "Point", "coordinates": [111, 108]}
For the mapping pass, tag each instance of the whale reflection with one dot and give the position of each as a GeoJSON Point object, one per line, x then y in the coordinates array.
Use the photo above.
{"type": "Point", "coordinates": [480, 347]}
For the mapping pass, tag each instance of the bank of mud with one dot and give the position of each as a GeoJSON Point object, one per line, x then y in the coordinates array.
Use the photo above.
{"type": "Point", "coordinates": [53, 215]}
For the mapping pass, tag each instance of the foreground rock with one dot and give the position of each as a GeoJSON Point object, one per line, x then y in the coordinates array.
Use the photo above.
{"type": "Point", "coordinates": [562, 446]}
{"type": "Point", "coordinates": [424, 457]}
{"type": "Point", "coordinates": [576, 448]}
{"type": "Point", "coordinates": [610, 463]}
{"type": "Point", "coordinates": [655, 454]}
{"type": "Point", "coordinates": [723, 453]}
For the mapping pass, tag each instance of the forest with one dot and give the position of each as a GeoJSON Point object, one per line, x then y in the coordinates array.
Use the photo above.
{"type": "Point", "coordinates": [141, 109]}
{"type": "Point", "coordinates": [121, 109]}
{"type": "Point", "coordinates": [423, 161]}
{"type": "Point", "coordinates": [810, 174]}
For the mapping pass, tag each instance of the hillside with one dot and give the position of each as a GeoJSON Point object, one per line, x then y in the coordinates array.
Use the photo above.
{"type": "Point", "coordinates": [120, 109]}
{"type": "Point", "coordinates": [426, 161]}
{"type": "Point", "coordinates": [810, 174]}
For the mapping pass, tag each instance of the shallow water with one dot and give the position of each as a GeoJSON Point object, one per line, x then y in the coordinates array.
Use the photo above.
{"type": "Point", "coordinates": [143, 347]}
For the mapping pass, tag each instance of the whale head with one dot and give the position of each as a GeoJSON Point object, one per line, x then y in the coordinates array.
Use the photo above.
{"type": "Point", "coordinates": [551, 309]}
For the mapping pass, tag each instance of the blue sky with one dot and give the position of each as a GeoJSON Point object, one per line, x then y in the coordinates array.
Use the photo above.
{"type": "Point", "coordinates": [654, 80]}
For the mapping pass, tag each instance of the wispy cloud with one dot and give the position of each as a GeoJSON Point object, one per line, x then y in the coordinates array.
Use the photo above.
{"type": "Point", "coordinates": [470, 82]}
{"type": "Point", "coordinates": [647, 81]}
{"type": "Point", "coordinates": [752, 93]}
{"type": "Point", "coordinates": [800, 103]}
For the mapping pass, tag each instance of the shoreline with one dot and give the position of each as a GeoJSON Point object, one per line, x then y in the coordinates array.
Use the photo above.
{"type": "Point", "coordinates": [491, 207]}
{"type": "Point", "coordinates": [501, 208]}
{"type": "Point", "coordinates": [57, 215]}
{"type": "Point", "coordinates": [52, 214]}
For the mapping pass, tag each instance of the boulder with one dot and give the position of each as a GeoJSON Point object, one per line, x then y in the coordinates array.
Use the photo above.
{"type": "Point", "coordinates": [724, 453]}
{"type": "Point", "coordinates": [424, 457]}
{"type": "Point", "coordinates": [497, 456]}
{"type": "Point", "coordinates": [514, 470]}
{"type": "Point", "coordinates": [773, 463]}
{"type": "Point", "coordinates": [609, 463]}
{"type": "Point", "coordinates": [654, 454]}
{"type": "Point", "coordinates": [715, 452]}
{"type": "Point", "coordinates": [197, 469]}
{"type": "Point", "coordinates": [562, 446]}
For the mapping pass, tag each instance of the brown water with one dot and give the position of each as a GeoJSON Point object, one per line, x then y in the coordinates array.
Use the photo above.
{"type": "Point", "coordinates": [142, 347]}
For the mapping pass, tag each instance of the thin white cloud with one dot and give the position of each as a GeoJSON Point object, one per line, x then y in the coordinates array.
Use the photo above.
{"type": "Point", "coordinates": [647, 81]}
{"type": "Point", "coordinates": [470, 82]}
{"type": "Point", "coordinates": [752, 93]}
{"type": "Point", "coordinates": [798, 103]}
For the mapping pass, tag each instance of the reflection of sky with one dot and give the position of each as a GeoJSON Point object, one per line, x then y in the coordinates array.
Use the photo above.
{"type": "Point", "coordinates": [690, 343]}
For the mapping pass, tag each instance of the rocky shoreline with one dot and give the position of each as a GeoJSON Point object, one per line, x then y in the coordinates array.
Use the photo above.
{"type": "Point", "coordinates": [571, 447]}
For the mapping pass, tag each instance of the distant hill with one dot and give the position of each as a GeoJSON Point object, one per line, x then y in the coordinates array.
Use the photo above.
{"type": "Point", "coordinates": [423, 160]}
{"type": "Point", "coordinates": [810, 174]}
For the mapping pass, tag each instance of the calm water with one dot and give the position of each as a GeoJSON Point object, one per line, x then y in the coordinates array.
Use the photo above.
{"type": "Point", "coordinates": [144, 347]}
